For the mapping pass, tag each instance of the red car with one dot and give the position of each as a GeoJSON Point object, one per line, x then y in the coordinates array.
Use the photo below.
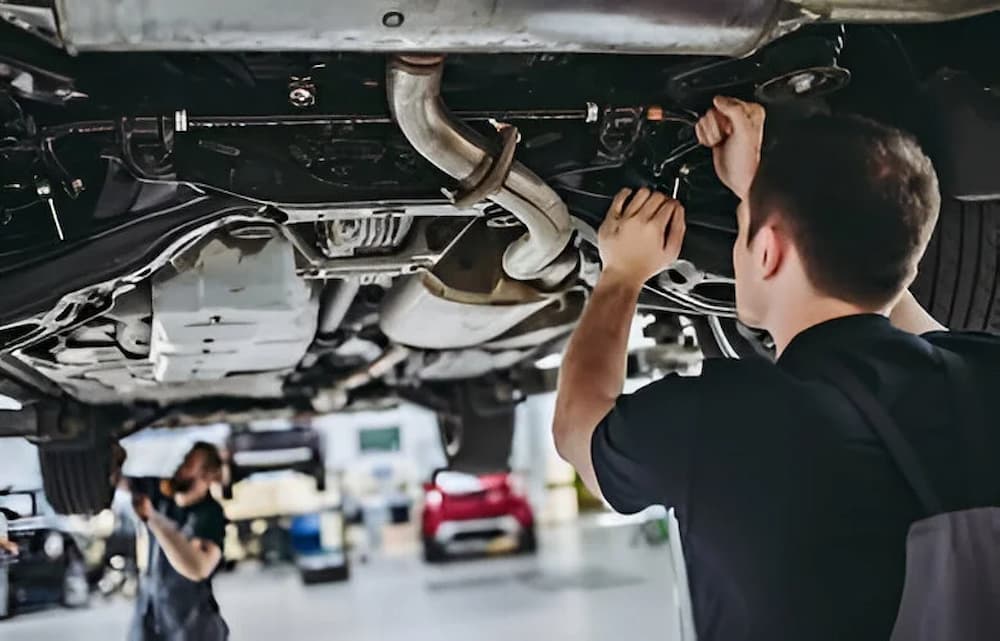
{"type": "Point", "coordinates": [463, 513]}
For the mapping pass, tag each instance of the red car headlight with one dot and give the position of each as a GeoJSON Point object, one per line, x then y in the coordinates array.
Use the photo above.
{"type": "Point", "coordinates": [433, 499]}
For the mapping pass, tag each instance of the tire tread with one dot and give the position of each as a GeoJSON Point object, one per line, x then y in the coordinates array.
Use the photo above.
{"type": "Point", "coordinates": [76, 477]}
{"type": "Point", "coordinates": [958, 276]}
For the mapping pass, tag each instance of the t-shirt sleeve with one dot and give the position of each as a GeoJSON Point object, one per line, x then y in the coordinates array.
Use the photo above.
{"type": "Point", "coordinates": [979, 350]}
{"type": "Point", "coordinates": [642, 449]}
{"type": "Point", "coordinates": [975, 345]}
{"type": "Point", "coordinates": [209, 523]}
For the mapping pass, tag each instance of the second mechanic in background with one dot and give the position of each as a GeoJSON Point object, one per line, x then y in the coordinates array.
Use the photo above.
{"type": "Point", "coordinates": [186, 528]}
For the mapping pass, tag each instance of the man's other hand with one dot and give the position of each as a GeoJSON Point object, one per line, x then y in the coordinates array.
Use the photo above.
{"type": "Point", "coordinates": [735, 131]}
{"type": "Point", "coordinates": [8, 546]}
{"type": "Point", "coordinates": [143, 506]}
{"type": "Point", "coordinates": [641, 237]}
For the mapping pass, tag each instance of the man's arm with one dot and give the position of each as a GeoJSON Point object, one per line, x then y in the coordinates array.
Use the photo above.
{"type": "Point", "coordinates": [910, 316]}
{"type": "Point", "coordinates": [636, 241]}
{"type": "Point", "coordinates": [6, 545]}
{"type": "Point", "coordinates": [194, 559]}
{"type": "Point", "coordinates": [593, 372]}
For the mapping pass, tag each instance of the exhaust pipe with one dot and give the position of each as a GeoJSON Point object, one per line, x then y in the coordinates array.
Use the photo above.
{"type": "Point", "coordinates": [414, 88]}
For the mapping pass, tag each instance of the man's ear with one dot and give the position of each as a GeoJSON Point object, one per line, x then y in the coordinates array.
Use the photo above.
{"type": "Point", "coordinates": [769, 250]}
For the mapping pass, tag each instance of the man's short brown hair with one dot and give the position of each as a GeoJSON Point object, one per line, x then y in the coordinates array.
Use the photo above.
{"type": "Point", "coordinates": [859, 199]}
{"type": "Point", "coordinates": [211, 460]}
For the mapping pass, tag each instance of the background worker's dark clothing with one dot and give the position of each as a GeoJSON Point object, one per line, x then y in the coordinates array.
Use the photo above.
{"type": "Point", "coordinates": [793, 518]}
{"type": "Point", "coordinates": [169, 606]}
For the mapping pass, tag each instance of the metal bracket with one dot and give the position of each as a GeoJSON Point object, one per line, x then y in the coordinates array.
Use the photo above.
{"type": "Point", "coordinates": [496, 170]}
{"type": "Point", "coordinates": [147, 145]}
{"type": "Point", "coordinates": [39, 21]}
{"type": "Point", "coordinates": [23, 422]}
{"type": "Point", "coordinates": [34, 83]}
{"type": "Point", "coordinates": [44, 190]}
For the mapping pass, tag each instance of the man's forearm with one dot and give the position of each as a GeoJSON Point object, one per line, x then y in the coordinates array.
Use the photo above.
{"type": "Point", "coordinates": [595, 358]}
{"type": "Point", "coordinates": [593, 369]}
{"type": "Point", "coordinates": [6, 545]}
{"type": "Point", "coordinates": [182, 553]}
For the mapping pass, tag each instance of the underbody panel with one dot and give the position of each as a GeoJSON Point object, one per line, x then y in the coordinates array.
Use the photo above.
{"type": "Point", "coordinates": [261, 219]}
{"type": "Point", "coordinates": [726, 27]}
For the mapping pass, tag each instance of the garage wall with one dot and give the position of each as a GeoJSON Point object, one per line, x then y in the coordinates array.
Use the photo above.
{"type": "Point", "coordinates": [419, 441]}
{"type": "Point", "coordinates": [19, 464]}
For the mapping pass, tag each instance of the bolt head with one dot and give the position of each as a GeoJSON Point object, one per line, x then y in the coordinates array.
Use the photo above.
{"type": "Point", "coordinates": [803, 82]}
{"type": "Point", "coordinates": [301, 97]}
{"type": "Point", "coordinates": [393, 19]}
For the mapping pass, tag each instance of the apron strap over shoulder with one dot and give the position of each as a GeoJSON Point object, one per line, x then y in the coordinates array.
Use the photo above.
{"type": "Point", "coordinates": [972, 426]}
{"type": "Point", "coordinates": [900, 450]}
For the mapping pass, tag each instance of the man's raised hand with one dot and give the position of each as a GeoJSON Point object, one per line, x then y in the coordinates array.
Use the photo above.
{"type": "Point", "coordinates": [641, 236]}
{"type": "Point", "coordinates": [735, 131]}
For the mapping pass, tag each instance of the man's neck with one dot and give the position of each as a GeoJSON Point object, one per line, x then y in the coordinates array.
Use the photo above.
{"type": "Point", "coordinates": [794, 319]}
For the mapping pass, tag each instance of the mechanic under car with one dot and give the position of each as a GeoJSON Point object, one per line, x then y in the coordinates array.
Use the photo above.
{"type": "Point", "coordinates": [187, 528]}
{"type": "Point", "coordinates": [795, 483]}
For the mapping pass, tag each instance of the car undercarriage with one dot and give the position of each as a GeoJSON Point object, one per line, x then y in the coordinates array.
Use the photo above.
{"type": "Point", "coordinates": [222, 220]}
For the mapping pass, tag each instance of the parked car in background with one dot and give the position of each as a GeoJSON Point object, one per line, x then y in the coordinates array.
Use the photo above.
{"type": "Point", "coordinates": [50, 567]}
{"type": "Point", "coordinates": [469, 514]}
{"type": "Point", "coordinates": [297, 448]}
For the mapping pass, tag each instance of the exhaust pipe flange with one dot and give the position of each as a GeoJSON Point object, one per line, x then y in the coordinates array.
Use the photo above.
{"type": "Point", "coordinates": [414, 91]}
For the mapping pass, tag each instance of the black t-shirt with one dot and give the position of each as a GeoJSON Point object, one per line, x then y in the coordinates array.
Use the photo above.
{"type": "Point", "coordinates": [169, 598]}
{"type": "Point", "coordinates": [204, 520]}
{"type": "Point", "coordinates": [793, 517]}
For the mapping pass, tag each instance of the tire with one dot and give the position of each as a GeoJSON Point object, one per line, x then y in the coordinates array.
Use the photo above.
{"type": "Point", "coordinates": [433, 551]}
{"type": "Point", "coordinates": [326, 575]}
{"type": "Point", "coordinates": [958, 275]}
{"type": "Point", "coordinates": [528, 543]}
{"type": "Point", "coordinates": [741, 342]}
{"type": "Point", "coordinates": [275, 546]}
{"type": "Point", "coordinates": [478, 433]}
{"type": "Point", "coordinates": [76, 475]}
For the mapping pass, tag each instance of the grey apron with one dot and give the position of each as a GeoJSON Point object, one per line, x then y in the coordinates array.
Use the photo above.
{"type": "Point", "coordinates": [170, 607]}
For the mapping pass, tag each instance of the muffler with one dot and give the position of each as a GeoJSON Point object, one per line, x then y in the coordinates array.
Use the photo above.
{"type": "Point", "coordinates": [414, 88]}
